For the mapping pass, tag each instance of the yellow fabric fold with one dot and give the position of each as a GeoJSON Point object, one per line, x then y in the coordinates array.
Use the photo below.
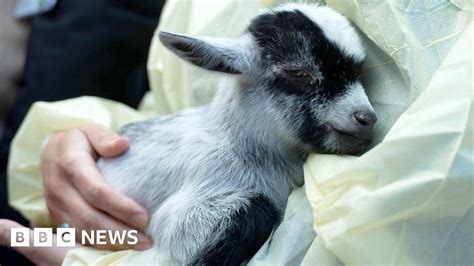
{"type": "Point", "coordinates": [404, 201]}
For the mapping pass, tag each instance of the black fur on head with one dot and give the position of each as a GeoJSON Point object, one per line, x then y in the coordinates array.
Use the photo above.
{"type": "Point", "coordinates": [307, 60]}
{"type": "Point", "coordinates": [314, 76]}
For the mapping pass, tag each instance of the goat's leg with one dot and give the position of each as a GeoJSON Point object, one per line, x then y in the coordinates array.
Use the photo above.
{"type": "Point", "coordinates": [224, 229]}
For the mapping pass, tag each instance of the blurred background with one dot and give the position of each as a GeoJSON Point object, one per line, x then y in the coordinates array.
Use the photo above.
{"type": "Point", "coordinates": [53, 50]}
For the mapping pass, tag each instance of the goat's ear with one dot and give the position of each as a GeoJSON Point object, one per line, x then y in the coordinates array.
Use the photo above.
{"type": "Point", "coordinates": [223, 55]}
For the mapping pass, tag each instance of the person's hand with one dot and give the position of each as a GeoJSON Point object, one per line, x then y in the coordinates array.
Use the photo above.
{"type": "Point", "coordinates": [75, 190]}
{"type": "Point", "coordinates": [38, 255]}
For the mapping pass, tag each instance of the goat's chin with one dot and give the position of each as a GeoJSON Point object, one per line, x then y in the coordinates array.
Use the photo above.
{"type": "Point", "coordinates": [340, 143]}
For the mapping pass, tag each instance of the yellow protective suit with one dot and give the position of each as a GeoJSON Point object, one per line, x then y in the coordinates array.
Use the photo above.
{"type": "Point", "coordinates": [409, 200]}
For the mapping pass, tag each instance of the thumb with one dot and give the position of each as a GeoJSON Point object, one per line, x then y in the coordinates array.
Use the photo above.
{"type": "Point", "coordinates": [106, 142]}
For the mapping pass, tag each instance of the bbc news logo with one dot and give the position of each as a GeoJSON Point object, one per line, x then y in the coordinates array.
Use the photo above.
{"type": "Point", "coordinates": [66, 237]}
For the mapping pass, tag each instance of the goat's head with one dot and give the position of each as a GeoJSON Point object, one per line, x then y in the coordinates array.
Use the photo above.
{"type": "Point", "coordinates": [305, 61]}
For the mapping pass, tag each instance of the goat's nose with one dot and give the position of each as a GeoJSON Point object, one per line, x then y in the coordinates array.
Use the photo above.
{"type": "Point", "coordinates": [365, 118]}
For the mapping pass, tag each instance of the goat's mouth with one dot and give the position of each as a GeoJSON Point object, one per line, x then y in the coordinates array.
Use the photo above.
{"type": "Point", "coordinates": [352, 135]}
{"type": "Point", "coordinates": [351, 142]}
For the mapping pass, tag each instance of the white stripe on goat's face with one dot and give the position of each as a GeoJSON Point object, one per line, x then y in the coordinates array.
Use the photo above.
{"type": "Point", "coordinates": [310, 60]}
{"type": "Point", "coordinates": [336, 28]}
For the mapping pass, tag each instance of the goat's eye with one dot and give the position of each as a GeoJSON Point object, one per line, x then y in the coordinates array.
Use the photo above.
{"type": "Point", "coordinates": [297, 73]}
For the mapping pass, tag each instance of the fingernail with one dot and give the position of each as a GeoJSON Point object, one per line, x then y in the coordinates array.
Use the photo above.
{"type": "Point", "coordinates": [64, 225]}
{"type": "Point", "coordinates": [139, 220]}
{"type": "Point", "coordinates": [144, 242]}
{"type": "Point", "coordinates": [119, 143]}
{"type": "Point", "coordinates": [112, 141]}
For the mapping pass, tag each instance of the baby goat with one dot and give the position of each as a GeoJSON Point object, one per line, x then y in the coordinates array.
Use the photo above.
{"type": "Point", "coordinates": [216, 178]}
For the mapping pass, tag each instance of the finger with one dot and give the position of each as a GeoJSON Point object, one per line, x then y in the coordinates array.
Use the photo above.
{"type": "Point", "coordinates": [5, 226]}
{"type": "Point", "coordinates": [66, 205]}
{"type": "Point", "coordinates": [106, 142]}
{"type": "Point", "coordinates": [40, 256]}
{"type": "Point", "coordinates": [91, 184]}
{"type": "Point", "coordinates": [87, 218]}
{"type": "Point", "coordinates": [99, 220]}
{"type": "Point", "coordinates": [34, 225]}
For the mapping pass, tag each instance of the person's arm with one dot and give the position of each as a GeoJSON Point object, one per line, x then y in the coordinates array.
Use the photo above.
{"type": "Point", "coordinates": [72, 188]}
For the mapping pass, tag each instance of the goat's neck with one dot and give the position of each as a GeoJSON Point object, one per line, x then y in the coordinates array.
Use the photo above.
{"type": "Point", "coordinates": [249, 124]}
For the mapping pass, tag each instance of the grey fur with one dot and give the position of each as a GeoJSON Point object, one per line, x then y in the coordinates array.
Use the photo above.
{"type": "Point", "coordinates": [192, 170]}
